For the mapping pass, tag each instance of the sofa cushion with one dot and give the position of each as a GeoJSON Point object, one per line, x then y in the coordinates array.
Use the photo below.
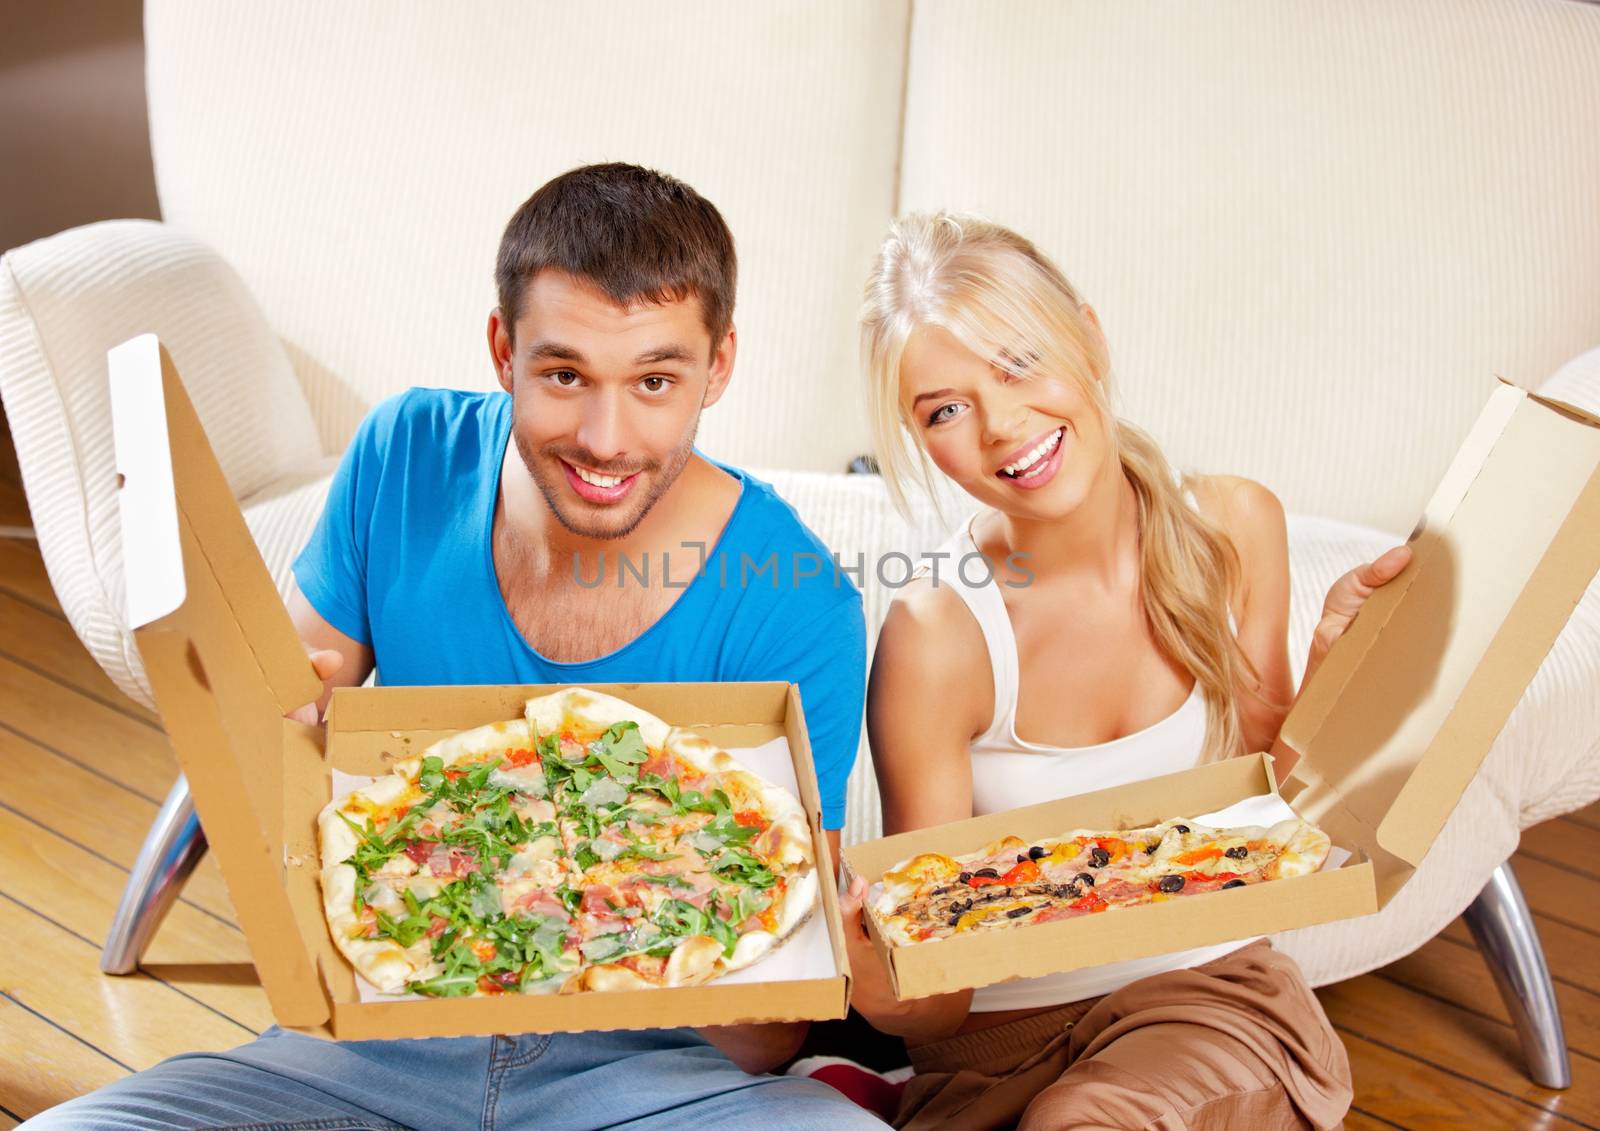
{"type": "Point", "coordinates": [363, 200]}
{"type": "Point", "coordinates": [64, 301]}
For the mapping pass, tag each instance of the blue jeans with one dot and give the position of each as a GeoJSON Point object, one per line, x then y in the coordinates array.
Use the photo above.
{"type": "Point", "coordinates": [654, 1079]}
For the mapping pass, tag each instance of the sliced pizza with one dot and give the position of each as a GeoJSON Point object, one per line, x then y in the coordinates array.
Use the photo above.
{"type": "Point", "coordinates": [587, 846]}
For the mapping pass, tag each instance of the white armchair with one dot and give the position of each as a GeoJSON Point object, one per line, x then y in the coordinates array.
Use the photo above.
{"type": "Point", "coordinates": [1314, 235]}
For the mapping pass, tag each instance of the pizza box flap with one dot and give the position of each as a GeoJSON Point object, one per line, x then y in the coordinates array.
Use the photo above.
{"type": "Point", "coordinates": [222, 657]}
{"type": "Point", "coordinates": [1404, 709]}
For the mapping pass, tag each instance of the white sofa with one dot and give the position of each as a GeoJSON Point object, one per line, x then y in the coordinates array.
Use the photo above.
{"type": "Point", "coordinates": [1314, 234]}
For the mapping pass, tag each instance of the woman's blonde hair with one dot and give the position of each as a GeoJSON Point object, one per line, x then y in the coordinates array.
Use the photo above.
{"type": "Point", "coordinates": [1002, 299]}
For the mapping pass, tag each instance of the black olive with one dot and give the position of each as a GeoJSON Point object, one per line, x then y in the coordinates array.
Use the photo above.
{"type": "Point", "coordinates": [944, 890]}
{"type": "Point", "coordinates": [1070, 891]}
{"type": "Point", "coordinates": [1018, 912]}
{"type": "Point", "coordinates": [1233, 884]}
{"type": "Point", "coordinates": [1237, 852]}
{"type": "Point", "coordinates": [954, 919]}
{"type": "Point", "coordinates": [1099, 858]}
{"type": "Point", "coordinates": [1170, 883]}
{"type": "Point", "coordinates": [1180, 828]}
{"type": "Point", "coordinates": [1152, 846]}
{"type": "Point", "coordinates": [990, 872]}
{"type": "Point", "coordinates": [1037, 853]}
{"type": "Point", "coordinates": [965, 877]}
{"type": "Point", "coordinates": [1084, 878]}
{"type": "Point", "coordinates": [1020, 858]}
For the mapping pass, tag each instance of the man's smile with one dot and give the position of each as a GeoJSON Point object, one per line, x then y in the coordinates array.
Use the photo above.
{"type": "Point", "coordinates": [596, 487]}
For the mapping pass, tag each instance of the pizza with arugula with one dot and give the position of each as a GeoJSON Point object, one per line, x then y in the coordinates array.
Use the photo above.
{"type": "Point", "coordinates": [586, 846]}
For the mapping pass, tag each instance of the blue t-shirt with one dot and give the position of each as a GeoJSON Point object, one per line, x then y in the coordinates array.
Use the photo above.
{"type": "Point", "coordinates": [402, 560]}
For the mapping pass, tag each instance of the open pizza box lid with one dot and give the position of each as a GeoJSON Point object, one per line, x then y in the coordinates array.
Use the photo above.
{"type": "Point", "coordinates": [1390, 728]}
{"type": "Point", "coordinates": [225, 664]}
{"type": "Point", "coordinates": [1403, 711]}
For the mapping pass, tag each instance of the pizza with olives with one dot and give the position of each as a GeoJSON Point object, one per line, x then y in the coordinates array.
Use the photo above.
{"type": "Point", "coordinates": [586, 846]}
{"type": "Point", "coordinates": [1013, 882]}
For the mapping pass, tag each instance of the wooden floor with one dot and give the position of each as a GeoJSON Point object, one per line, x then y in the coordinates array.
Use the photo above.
{"type": "Point", "coordinates": [83, 770]}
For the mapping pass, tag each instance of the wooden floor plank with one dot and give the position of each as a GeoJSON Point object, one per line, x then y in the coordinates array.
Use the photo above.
{"type": "Point", "coordinates": [1589, 815]}
{"type": "Point", "coordinates": [1443, 968]}
{"type": "Point", "coordinates": [1420, 1097]}
{"type": "Point", "coordinates": [43, 1065]}
{"type": "Point", "coordinates": [22, 572]}
{"type": "Point", "coordinates": [1457, 1041]}
{"type": "Point", "coordinates": [1559, 893]}
{"type": "Point", "coordinates": [137, 1020]}
{"type": "Point", "coordinates": [1565, 843]}
{"type": "Point", "coordinates": [48, 644]}
{"type": "Point", "coordinates": [193, 951]}
{"type": "Point", "coordinates": [87, 732]}
{"type": "Point", "coordinates": [1573, 955]}
{"type": "Point", "coordinates": [105, 818]}
{"type": "Point", "coordinates": [10, 472]}
{"type": "Point", "coordinates": [1358, 1120]}
{"type": "Point", "coordinates": [13, 502]}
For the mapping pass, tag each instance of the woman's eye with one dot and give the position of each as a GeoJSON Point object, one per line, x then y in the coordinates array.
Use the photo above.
{"type": "Point", "coordinates": [943, 412]}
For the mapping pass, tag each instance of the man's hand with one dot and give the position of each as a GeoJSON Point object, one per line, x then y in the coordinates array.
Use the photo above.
{"type": "Point", "coordinates": [1345, 599]}
{"type": "Point", "coordinates": [326, 663]}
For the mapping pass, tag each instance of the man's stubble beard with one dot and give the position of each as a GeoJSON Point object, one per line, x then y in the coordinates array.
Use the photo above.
{"type": "Point", "coordinates": [663, 476]}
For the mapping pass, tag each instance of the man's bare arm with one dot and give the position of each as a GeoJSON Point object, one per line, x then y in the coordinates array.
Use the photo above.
{"type": "Point", "coordinates": [324, 642]}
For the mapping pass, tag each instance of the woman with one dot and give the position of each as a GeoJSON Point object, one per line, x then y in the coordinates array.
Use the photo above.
{"type": "Point", "coordinates": [1133, 626]}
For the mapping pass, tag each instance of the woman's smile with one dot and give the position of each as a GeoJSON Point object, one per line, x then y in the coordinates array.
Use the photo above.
{"type": "Point", "coordinates": [1035, 465]}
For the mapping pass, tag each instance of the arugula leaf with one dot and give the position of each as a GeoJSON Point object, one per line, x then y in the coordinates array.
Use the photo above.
{"type": "Point", "coordinates": [570, 898]}
{"type": "Point", "coordinates": [626, 743]}
{"type": "Point", "coordinates": [739, 866]}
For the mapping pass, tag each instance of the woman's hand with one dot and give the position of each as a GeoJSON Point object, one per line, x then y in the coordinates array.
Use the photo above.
{"type": "Point", "coordinates": [918, 1020]}
{"type": "Point", "coordinates": [326, 663]}
{"type": "Point", "coordinates": [1345, 599]}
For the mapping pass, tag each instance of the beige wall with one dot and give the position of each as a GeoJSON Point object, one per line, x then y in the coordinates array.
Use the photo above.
{"type": "Point", "coordinates": [74, 140]}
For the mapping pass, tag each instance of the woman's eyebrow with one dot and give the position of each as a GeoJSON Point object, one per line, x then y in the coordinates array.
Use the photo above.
{"type": "Point", "coordinates": [920, 397]}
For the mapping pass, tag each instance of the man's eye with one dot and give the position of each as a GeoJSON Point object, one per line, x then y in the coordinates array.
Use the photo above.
{"type": "Point", "coordinates": [656, 384]}
{"type": "Point", "coordinates": [566, 378]}
{"type": "Point", "coordinates": [943, 412]}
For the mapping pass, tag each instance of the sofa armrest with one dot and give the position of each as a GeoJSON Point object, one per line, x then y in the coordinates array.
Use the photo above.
{"type": "Point", "coordinates": [64, 301]}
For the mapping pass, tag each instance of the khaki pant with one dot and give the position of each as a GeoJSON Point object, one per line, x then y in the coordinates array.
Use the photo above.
{"type": "Point", "coordinates": [1238, 1043]}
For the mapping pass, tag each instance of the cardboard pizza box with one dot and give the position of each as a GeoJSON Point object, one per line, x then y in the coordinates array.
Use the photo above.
{"type": "Point", "coordinates": [1389, 730]}
{"type": "Point", "coordinates": [225, 664]}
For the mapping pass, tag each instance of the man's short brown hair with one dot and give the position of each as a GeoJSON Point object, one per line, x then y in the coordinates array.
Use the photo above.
{"type": "Point", "coordinates": [636, 234]}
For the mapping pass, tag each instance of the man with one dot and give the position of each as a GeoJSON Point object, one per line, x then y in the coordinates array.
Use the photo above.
{"type": "Point", "coordinates": [466, 539]}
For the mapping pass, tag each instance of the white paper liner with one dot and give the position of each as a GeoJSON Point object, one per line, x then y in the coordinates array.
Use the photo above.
{"type": "Point", "coordinates": [805, 955]}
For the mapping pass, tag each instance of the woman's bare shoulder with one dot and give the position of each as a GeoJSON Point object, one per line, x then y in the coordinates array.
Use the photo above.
{"type": "Point", "coordinates": [1248, 512]}
{"type": "Point", "coordinates": [931, 653]}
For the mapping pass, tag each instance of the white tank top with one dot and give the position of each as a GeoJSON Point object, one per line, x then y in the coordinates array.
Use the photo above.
{"type": "Point", "coordinates": [1008, 773]}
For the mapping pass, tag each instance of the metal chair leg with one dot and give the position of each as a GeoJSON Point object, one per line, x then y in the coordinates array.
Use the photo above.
{"type": "Point", "coordinates": [1503, 928]}
{"type": "Point", "coordinates": [171, 849]}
